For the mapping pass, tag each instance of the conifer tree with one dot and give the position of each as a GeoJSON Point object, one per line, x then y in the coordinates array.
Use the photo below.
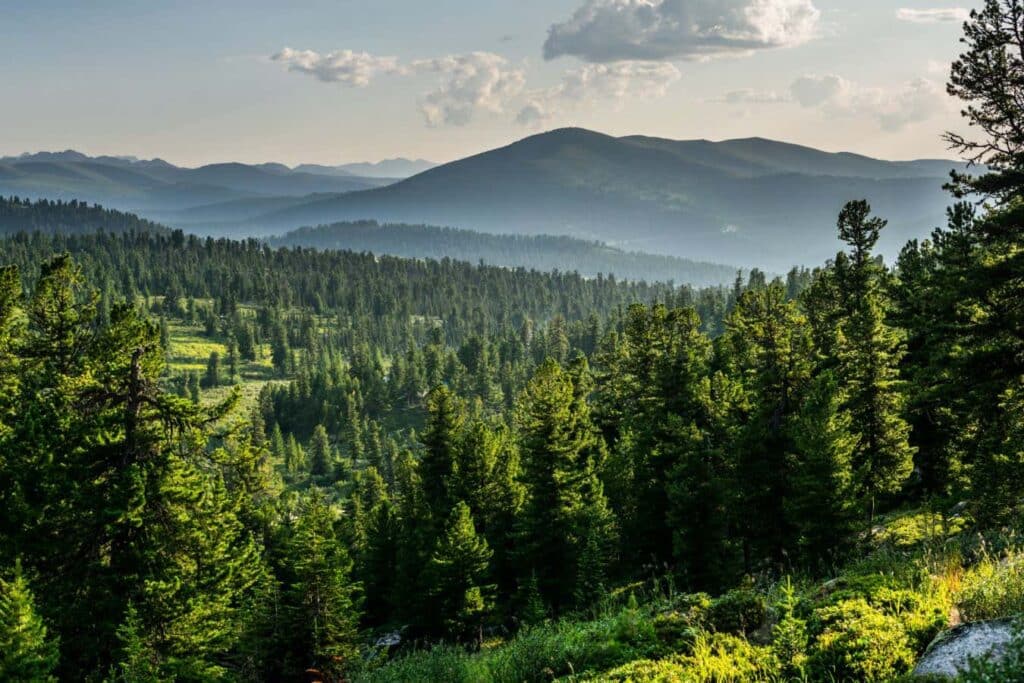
{"type": "Point", "coordinates": [459, 571]}
{"type": "Point", "coordinates": [984, 352]}
{"type": "Point", "coordinates": [767, 348]}
{"type": "Point", "coordinates": [869, 353]}
{"type": "Point", "coordinates": [212, 377]}
{"type": "Point", "coordinates": [27, 653]}
{"type": "Point", "coordinates": [138, 663]}
{"type": "Point", "coordinates": [556, 436]}
{"type": "Point", "coordinates": [440, 438]}
{"type": "Point", "coordinates": [821, 505]}
{"type": "Point", "coordinates": [321, 455]}
{"type": "Point", "coordinates": [323, 599]}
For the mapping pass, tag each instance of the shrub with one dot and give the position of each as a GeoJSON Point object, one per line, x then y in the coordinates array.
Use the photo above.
{"type": "Point", "coordinates": [724, 658]}
{"type": "Point", "coordinates": [675, 632]}
{"type": "Point", "coordinates": [858, 642]}
{"type": "Point", "coordinates": [669, 670]}
{"type": "Point", "coordinates": [738, 611]}
{"type": "Point", "coordinates": [993, 588]}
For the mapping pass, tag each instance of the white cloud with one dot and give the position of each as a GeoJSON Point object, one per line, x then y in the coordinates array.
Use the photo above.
{"type": "Point", "coordinates": [750, 96]}
{"type": "Point", "coordinates": [478, 81]}
{"type": "Point", "coordinates": [598, 83]}
{"type": "Point", "coordinates": [343, 66]}
{"type": "Point", "coordinates": [892, 108]}
{"type": "Point", "coordinates": [933, 16]}
{"type": "Point", "coordinates": [811, 91]}
{"type": "Point", "coordinates": [612, 30]}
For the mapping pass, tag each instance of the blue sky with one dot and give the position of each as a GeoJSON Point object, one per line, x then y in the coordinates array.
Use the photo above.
{"type": "Point", "coordinates": [334, 81]}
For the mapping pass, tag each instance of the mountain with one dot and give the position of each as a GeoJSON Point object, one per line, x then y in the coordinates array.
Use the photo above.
{"type": "Point", "coordinates": [155, 186]}
{"type": "Point", "coordinates": [752, 201]}
{"type": "Point", "coordinates": [388, 168]}
{"type": "Point", "coordinates": [539, 252]}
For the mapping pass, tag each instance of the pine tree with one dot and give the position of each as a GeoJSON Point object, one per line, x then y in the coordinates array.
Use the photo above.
{"type": "Point", "coordinates": [458, 571]}
{"type": "Point", "coordinates": [869, 353]}
{"type": "Point", "coordinates": [212, 377]}
{"type": "Point", "coordinates": [323, 600]}
{"type": "Point", "coordinates": [138, 662]}
{"type": "Point", "coordinates": [982, 352]}
{"type": "Point", "coordinates": [821, 504]}
{"type": "Point", "coordinates": [27, 653]}
{"type": "Point", "coordinates": [440, 437]}
{"type": "Point", "coordinates": [768, 350]}
{"type": "Point", "coordinates": [556, 437]}
{"type": "Point", "coordinates": [321, 455]}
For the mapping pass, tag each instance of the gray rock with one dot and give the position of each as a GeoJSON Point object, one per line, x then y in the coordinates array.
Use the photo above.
{"type": "Point", "coordinates": [950, 652]}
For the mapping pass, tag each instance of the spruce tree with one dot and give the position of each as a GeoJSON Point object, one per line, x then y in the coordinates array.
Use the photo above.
{"type": "Point", "coordinates": [822, 505]}
{"type": "Point", "coordinates": [27, 653]}
{"type": "Point", "coordinates": [869, 352]}
{"type": "Point", "coordinates": [557, 438]}
{"type": "Point", "coordinates": [322, 599]}
{"type": "Point", "coordinates": [459, 571]}
{"type": "Point", "coordinates": [440, 438]}
{"type": "Point", "coordinates": [321, 455]}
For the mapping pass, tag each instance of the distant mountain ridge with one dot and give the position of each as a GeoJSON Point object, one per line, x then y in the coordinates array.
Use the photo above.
{"type": "Point", "coordinates": [753, 202]}
{"type": "Point", "coordinates": [154, 186]}
{"type": "Point", "coordinates": [387, 168]}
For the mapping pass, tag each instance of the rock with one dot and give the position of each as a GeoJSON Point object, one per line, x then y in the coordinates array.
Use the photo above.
{"type": "Point", "coordinates": [949, 653]}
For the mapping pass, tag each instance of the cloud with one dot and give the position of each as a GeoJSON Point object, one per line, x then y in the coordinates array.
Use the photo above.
{"type": "Point", "coordinates": [933, 16]}
{"type": "Point", "coordinates": [470, 83]}
{"type": "Point", "coordinates": [892, 108]}
{"type": "Point", "coordinates": [343, 66]}
{"type": "Point", "coordinates": [811, 91]}
{"type": "Point", "coordinates": [612, 30]}
{"type": "Point", "coordinates": [598, 83]}
{"type": "Point", "coordinates": [751, 96]}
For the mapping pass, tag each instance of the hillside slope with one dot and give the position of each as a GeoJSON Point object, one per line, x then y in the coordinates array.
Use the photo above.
{"type": "Point", "coordinates": [754, 202]}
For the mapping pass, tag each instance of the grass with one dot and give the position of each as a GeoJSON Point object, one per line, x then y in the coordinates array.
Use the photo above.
{"type": "Point", "coordinates": [190, 351]}
{"type": "Point", "coordinates": [870, 622]}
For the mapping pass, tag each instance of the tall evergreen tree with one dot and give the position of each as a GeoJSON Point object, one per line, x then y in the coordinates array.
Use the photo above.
{"type": "Point", "coordinates": [821, 505]}
{"type": "Point", "coordinates": [459, 572]}
{"type": "Point", "coordinates": [556, 435]}
{"type": "Point", "coordinates": [869, 352]}
{"type": "Point", "coordinates": [323, 599]}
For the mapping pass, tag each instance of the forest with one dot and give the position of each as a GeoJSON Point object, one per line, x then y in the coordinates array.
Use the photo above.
{"type": "Point", "coordinates": [540, 252]}
{"type": "Point", "coordinates": [226, 461]}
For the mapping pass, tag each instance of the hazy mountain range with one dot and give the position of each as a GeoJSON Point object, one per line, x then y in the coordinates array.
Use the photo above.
{"type": "Point", "coordinates": [752, 202]}
{"type": "Point", "coordinates": [154, 186]}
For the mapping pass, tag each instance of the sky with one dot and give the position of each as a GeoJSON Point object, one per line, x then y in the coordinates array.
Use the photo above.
{"type": "Point", "coordinates": [337, 81]}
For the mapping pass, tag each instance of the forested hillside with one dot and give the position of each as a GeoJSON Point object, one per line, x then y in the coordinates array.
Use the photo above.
{"type": "Point", "coordinates": [221, 461]}
{"type": "Point", "coordinates": [541, 252]}
{"type": "Point", "coordinates": [72, 217]}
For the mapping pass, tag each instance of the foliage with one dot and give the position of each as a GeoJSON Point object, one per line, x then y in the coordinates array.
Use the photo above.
{"type": "Point", "coordinates": [27, 653]}
{"type": "Point", "coordinates": [859, 642]}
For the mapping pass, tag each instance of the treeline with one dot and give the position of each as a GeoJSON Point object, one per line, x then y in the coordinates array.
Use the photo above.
{"type": "Point", "coordinates": [67, 217]}
{"type": "Point", "coordinates": [383, 300]}
{"type": "Point", "coordinates": [539, 252]}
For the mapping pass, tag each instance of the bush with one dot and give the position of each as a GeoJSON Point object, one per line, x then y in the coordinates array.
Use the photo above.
{"type": "Point", "coordinates": [858, 642]}
{"type": "Point", "coordinates": [738, 611]}
{"type": "Point", "coordinates": [724, 658]}
{"type": "Point", "coordinates": [993, 588]}
{"type": "Point", "coordinates": [675, 632]}
{"type": "Point", "coordinates": [669, 670]}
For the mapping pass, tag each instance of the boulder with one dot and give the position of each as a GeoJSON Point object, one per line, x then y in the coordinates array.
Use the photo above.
{"type": "Point", "coordinates": [949, 654]}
